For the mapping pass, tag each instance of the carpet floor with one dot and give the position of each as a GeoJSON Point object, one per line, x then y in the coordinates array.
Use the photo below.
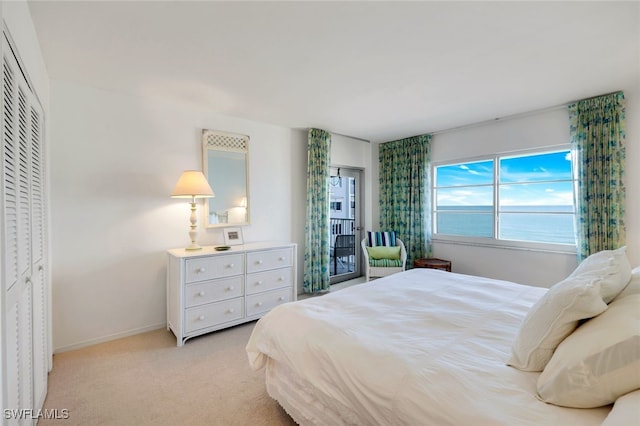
{"type": "Point", "coordinates": [147, 380]}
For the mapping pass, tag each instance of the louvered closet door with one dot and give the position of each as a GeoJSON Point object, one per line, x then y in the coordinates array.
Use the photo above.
{"type": "Point", "coordinates": [25, 345]}
{"type": "Point", "coordinates": [18, 296]}
{"type": "Point", "coordinates": [9, 172]}
{"type": "Point", "coordinates": [38, 238]}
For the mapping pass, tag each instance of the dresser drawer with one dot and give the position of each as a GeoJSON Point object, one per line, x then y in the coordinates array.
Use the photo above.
{"type": "Point", "coordinates": [209, 290]}
{"type": "Point", "coordinates": [269, 259]}
{"type": "Point", "coordinates": [207, 268]}
{"type": "Point", "coordinates": [213, 314]}
{"type": "Point", "coordinates": [263, 302]}
{"type": "Point", "coordinates": [269, 280]}
{"type": "Point", "coordinates": [213, 291]}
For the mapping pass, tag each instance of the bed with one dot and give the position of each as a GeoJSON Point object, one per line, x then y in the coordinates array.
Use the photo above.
{"type": "Point", "coordinates": [420, 347]}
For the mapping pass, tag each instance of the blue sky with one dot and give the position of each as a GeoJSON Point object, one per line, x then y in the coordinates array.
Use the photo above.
{"type": "Point", "coordinates": [540, 172]}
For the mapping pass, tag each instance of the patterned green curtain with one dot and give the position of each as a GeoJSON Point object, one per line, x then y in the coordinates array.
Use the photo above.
{"type": "Point", "coordinates": [597, 139]}
{"type": "Point", "coordinates": [404, 193]}
{"type": "Point", "coordinates": [317, 232]}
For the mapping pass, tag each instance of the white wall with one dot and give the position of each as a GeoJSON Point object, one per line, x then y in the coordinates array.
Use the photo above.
{"type": "Point", "coordinates": [355, 154]}
{"type": "Point", "coordinates": [530, 131]}
{"type": "Point", "coordinates": [115, 160]}
{"type": "Point", "coordinates": [511, 134]}
{"type": "Point", "coordinates": [536, 130]}
{"type": "Point", "coordinates": [298, 190]}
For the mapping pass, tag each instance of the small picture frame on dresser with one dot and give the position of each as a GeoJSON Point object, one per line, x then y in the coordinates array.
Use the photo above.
{"type": "Point", "coordinates": [233, 236]}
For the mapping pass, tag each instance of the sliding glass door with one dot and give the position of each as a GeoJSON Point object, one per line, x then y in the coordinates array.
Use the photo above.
{"type": "Point", "coordinates": [345, 224]}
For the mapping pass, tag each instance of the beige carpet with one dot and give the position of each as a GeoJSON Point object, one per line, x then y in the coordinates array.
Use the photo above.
{"type": "Point", "coordinates": [147, 380]}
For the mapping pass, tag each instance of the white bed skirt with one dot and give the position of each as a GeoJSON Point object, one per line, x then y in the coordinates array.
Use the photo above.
{"type": "Point", "coordinates": [301, 401]}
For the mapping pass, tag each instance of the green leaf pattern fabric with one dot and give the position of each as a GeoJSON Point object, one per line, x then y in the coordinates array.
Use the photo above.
{"type": "Point", "coordinates": [317, 230]}
{"type": "Point", "coordinates": [597, 131]}
{"type": "Point", "coordinates": [404, 193]}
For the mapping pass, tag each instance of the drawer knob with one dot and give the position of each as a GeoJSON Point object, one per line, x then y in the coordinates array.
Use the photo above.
{"type": "Point", "coordinates": [230, 288]}
{"type": "Point", "coordinates": [259, 262]}
{"type": "Point", "coordinates": [281, 258]}
{"type": "Point", "coordinates": [259, 304]}
{"type": "Point", "coordinates": [259, 283]}
{"type": "Point", "coordinates": [281, 279]}
{"type": "Point", "coordinates": [199, 270]}
{"type": "Point", "coordinates": [280, 299]}
{"type": "Point", "coordinates": [201, 318]}
{"type": "Point", "coordinates": [230, 310]}
{"type": "Point", "coordinates": [230, 265]}
{"type": "Point", "coordinates": [201, 293]}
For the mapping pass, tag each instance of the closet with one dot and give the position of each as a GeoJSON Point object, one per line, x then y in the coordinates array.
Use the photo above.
{"type": "Point", "coordinates": [24, 319]}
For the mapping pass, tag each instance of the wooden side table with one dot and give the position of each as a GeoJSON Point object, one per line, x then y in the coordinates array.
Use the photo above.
{"type": "Point", "coordinates": [433, 263]}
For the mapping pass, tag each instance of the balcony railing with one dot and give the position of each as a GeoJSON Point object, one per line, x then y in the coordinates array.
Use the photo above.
{"type": "Point", "coordinates": [342, 227]}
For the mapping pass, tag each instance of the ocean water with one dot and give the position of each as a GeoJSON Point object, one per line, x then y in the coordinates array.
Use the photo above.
{"type": "Point", "coordinates": [549, 224]}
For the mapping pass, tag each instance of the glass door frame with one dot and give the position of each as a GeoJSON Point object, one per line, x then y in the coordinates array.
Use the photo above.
{"type": "Point", "coordinates": [342, 177]}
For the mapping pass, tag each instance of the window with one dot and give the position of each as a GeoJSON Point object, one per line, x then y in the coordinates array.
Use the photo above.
{"type": "Point", "coordinates": [517, 197]}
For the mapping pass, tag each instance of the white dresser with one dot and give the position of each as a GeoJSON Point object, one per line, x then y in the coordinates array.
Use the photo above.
{"type": "Point", "coordinates": [208, 290]}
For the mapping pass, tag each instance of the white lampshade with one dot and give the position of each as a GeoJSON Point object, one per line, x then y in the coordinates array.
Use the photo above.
{"type": "Point", "coordinates": [192, 184]}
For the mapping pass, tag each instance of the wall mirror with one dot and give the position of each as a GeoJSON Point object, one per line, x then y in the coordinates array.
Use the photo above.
{"type": "Point", "coordinates": [225, 158]}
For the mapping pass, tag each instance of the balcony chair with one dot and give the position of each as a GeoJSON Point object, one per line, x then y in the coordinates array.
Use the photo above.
{"type": "Point", "coordinates": [381, 259]}
{"type": "Point", "coordinates": [344, 246]}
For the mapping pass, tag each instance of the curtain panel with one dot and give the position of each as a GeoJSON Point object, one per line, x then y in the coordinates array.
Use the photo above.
{"type": "Point", "coordinates": [317, 231]}
{"type": "Point", "coordinates": [598, 142]}
{"type": "Point", "coordinates": [405, 205]}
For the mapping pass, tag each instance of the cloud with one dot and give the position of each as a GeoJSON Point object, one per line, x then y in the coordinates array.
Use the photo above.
{"type": "Point", "coordinates": [465, 197]}
{"type": "Point", "coordinates": [468, 169]}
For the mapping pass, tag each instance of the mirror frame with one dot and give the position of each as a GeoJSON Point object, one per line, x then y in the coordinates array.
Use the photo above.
{"type": "Point", "coordinates": [215, 140]}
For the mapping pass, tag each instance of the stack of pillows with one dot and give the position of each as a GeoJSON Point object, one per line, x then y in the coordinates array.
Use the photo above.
{"type": "Point", "coordinates": [584, 336]}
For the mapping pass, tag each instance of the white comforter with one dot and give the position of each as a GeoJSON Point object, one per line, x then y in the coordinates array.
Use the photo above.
{"type": "Point", "coordinates": [421, 347]}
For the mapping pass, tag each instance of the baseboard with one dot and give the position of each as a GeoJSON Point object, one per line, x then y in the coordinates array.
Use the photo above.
{"type": "Point", "coordinates": [108, 338]}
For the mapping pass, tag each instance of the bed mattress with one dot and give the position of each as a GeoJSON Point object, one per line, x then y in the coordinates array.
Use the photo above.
{"type": "Point", "coordinates": [420, 347]}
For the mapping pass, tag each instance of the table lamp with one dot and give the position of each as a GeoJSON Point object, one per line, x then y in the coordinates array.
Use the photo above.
{"type": "Point", "coordinates": [192, 184]}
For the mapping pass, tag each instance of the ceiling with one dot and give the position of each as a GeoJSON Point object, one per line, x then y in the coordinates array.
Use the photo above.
{"type": "Point", "coordinates": [373, 70]}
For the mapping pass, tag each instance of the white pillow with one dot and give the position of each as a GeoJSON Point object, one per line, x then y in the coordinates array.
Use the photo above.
{"type": "Point", "coordinates": [613, 268]}
{"type": "Point", "coordinates": [599, 362]}
{"type": "Point", "coordinates": [625, 411]}
{"type": "Point", "coordinates": [553, 318]}
{"type": "Point", "coordinates": [633, 287]}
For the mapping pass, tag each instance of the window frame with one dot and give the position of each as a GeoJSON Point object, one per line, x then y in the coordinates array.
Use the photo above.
{"type": "Point", "coordinates": [495, 241]}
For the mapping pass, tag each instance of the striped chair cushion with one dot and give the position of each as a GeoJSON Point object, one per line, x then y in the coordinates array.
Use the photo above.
{"type": "Point", "coordinates": [385, 263]}
{"type": "Point", "coordinates": [380, 238]}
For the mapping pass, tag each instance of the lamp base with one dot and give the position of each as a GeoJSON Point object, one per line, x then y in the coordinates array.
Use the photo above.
{"type": "Point", "coordinates": [193, 230]}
